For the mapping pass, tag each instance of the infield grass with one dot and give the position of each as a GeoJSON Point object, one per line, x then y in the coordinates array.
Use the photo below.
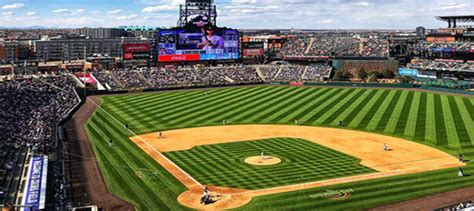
{"type": "Point", "coordinates": [302, 161]}
{"type": "Point", "coordinates": [441, 121]}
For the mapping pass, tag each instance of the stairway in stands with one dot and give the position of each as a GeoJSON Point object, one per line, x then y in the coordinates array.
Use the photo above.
{"type": "Point", "coordinates": [278, 72]}
{"type": "Point", "coordinates": [260, 74]}
{"type": "Point", "coordinates": [304, 72]}
{"type": "Point", "coordinates": [310, 45]}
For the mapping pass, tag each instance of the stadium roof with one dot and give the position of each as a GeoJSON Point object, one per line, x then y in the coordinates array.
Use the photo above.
{"type": "Point", "coordinates": [460, 18]}
{"type": "Point", "coordinates": [453, 20]}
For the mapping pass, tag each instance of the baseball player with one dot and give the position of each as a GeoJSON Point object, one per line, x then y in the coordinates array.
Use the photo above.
{"type": "Point", "coordinates": [460, 172]}
{"type": "Point", "coordinates": [159, 135]}
{"type": "Point", "coordinates": [224, 122]}
{"type": "Point", "coordinates": [385, 147]}
{"type": "Point", "coordinates": [461, 158]}
{"type": "Point", "coordinates": [110, 142]}
{"type": "Point", "coordinates": [206, 196]}
{"type": "Point", "coordinates": [262, 156]}
{"type": "Point", "coordinates": [296, 121]}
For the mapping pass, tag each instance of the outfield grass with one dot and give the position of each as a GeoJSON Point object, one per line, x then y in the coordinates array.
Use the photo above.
{"type": "Point", "coordinates": [442, 121]}
{"type": "Point", "coordinates": [303, 161]}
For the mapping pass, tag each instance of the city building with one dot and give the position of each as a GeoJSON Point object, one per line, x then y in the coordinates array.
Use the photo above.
{"type": "Point", "coordinates": [141, 31]}
{"type": "Point", "coordinates": [74, 49]}
{"type": "Point", "coordinates": [100, 33]}
{"type": "Point", "coordinates": [13, 51]}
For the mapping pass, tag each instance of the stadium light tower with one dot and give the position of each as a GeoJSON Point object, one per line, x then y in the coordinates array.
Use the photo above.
{"type": "Point", "coordinates": [197, 7]}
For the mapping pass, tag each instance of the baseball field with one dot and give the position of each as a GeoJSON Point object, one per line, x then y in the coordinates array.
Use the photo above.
{"type": "Point", "coordinates": [424, 130]}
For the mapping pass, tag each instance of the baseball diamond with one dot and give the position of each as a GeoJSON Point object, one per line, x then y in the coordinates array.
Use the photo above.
{"type": "Point", "coordinates": [222, 164]}
{"type": "Point", "coordinates": [142, 168]}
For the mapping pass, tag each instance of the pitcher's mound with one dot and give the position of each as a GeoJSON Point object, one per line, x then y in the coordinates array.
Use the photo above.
{"type": "Point", "coordinates": [266, 161]}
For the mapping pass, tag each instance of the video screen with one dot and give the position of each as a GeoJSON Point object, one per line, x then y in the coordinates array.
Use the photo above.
{"type": "Point", "coordinates": [198, 41]}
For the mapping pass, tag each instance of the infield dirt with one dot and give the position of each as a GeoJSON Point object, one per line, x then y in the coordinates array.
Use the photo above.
{"type": "Point", "coordinates": [403, 157]}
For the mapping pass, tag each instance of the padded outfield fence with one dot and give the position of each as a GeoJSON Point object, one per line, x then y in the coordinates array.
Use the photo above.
{"type": "Point", "coordinates": [83, 92]}
{"type": "Point", "coordinates": [398, 86]}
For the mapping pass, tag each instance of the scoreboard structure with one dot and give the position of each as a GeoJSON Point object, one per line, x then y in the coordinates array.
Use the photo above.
{"type": "Point", "coordinates": [198, 40]}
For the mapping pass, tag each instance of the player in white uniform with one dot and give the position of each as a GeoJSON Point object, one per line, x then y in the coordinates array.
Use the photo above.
{"type": "Point", "coordinates": [460, 172]}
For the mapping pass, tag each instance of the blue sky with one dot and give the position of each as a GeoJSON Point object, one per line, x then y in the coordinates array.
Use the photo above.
{"type": "Point", "coordinates": [256, 14]}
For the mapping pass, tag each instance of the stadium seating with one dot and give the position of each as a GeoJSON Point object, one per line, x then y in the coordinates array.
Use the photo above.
{"type": "Point", "coordinates": [269, 71]}
{"type": "Point", "coordinates": [290, 73]}
{"type": "Point", "coordinates": [447, 65]}
{"type": "Point", "coordinates": [38, 105]}
{"type": "Point", "coordinates": [317, 72]}
{"type": "Point", "coordinates": [341, 46]}
{"type": "Point", "coordinates": [186, 76]}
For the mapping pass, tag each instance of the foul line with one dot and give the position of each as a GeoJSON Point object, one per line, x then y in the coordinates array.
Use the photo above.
{"type": "Point", "coordinates": [153, 148]}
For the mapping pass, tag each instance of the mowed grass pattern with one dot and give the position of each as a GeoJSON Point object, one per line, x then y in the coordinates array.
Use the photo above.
{"type": "Point", "coordinates": [442, 121]}
{"type": "Point", "coordinates": [302, 161]}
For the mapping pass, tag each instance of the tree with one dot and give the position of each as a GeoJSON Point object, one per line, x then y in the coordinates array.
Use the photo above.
{"type": "Point", "coordinates": [346, 75]}
{"type": "Point", "coordinates": [362, 74]}
{"type": "Point", "coordinates": [342, 76]}
{"type": "Point", "coordinates": [337, 76]}
{"type": "Point", "coordinates": [373, 77]}
{"type": "Point", "coordinates": [387, 74]}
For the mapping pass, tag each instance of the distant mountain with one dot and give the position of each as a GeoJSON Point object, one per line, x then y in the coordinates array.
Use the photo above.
{"type": "Point", "coordinates": [27, 27]}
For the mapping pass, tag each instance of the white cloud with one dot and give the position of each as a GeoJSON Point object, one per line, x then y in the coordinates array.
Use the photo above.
{"type": "Point", "coordinates": [68, 11]}
{"type": "Point", "coordinates": [127, 17]}
{"type": "Point", "coordinates": [161, 6]}
{"type": "Point", "coordinates": [308, 14]}
{"type": "Point", "coordinates": [7, 13]}
{"type": "Point", "coordinates": [117, 11]}
{"type": "Point", "coordinates": [13, 6]}
{"type": "Point", "coordinates": [31, 13]}
{"type": "Point", "coordinates": [62, 11]}
{"type": "Point", "coordinates": [157, 9]}
{"type": "Point", "coordinates": [362, 3]}
{"type": "Point", "coordinates": [451, 6]}
{"type": "Point", "coordinates": [151, 17]}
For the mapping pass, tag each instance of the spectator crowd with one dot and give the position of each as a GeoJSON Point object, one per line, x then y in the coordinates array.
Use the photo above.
{"type": "Point", "coordinates": [447, 65]}
{"type": "Point", "coordinates": [304, 46]}
{"type": "Point", "coordinates": [192, 76]}
{"type": "Point", "coordinates": [455, 46]}
{"type": "Point", "coordinates": [29, 111]}
{"type": "Point", "coordinates": [172, 76]}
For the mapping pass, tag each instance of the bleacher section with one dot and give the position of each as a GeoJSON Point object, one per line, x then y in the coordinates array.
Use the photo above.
{"type": "Point", "coordinates": [171, 76]}
{"type": "Point", "coordinates": [30, 109]}
{"type": "Point", "coordinates": [325, 46]}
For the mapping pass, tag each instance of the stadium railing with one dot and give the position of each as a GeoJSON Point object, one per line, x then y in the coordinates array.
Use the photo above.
{"type": "Point", "coordinates": [83, 93]}
{"type": "Point", "coordinates": [378, 85]}
{"type": "Point", "coordinates": [349, 84]}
